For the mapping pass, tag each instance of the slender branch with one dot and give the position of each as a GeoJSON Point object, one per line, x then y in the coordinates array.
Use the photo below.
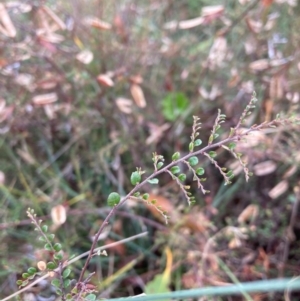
{"type": "Point", "coordinates": [236, 137]}
{"type": "Point", "coordinates": [33, 283]}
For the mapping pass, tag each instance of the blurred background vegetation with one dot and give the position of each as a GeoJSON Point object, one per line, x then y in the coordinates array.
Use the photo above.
{"type": "Point", "coordinates": [90, 89]}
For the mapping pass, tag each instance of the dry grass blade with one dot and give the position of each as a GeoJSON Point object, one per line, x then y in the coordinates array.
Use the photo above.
{"type": "Point", "coordinates": [7, 27]}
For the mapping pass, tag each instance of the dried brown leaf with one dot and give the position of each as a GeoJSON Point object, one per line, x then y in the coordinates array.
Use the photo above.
{"type": "Point", "coordinates": [259, 65]}
{"type": "Point", "coordinates": [208, 11]}
{"type": "Point", "coordinates": [44, 99]}
{"type": "Point", "coordinates": [248, 214]}
{"type": "Point", "coordinates": [97, 23]}
{"type": "Point", "coordinates": [124, 105]}
{"type": "Point", "coordinates": [105, 80]}
{"type": "Point", "coordinates": [138, 95]}
{"type": "Point", "coordinates": [264, 168]}
{"type": "Point", "coordinates": [58, 215]}
{"type": "Point", "coordinates": [85, 56]}
{"type": "Point", "coordinates": [254, 25]}
{"type": "Point", "coordinates": [279, 189]}
{"type": "Point", "coordinates": [136, 79]}
{"type": "Point", "coordinates": [291, 171]}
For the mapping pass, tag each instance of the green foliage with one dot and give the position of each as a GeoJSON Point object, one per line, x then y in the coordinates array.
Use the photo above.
{"type": "Point", "coordinates": [193, 160]}
{"type": "Point", "coordinates": [173, 105]}
{"type": "Point", "coordinates": [153, 181]}
{"type": "Point", "coordinates": [113, 199]}
{"type": "Point", "coordinates": [135, 178]}
{"type": "Point", "coordinates": [84, 145]}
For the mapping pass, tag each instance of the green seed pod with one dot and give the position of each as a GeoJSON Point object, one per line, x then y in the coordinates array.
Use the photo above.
{"type": "Point", "coordinates": [135, 178]}
{"type": "Point", "coordinates": [113, 199]}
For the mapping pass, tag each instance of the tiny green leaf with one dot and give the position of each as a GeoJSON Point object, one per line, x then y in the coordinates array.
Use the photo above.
{"type": "Point", "coordinates": [159, 165]}
{"type": "Point", "coordinates": [58, 256]}
{"type": "Point", "coordinates": [137, 194]}
{"type": "Point", "coordinates": [25, 275]}
{"type": "Point", "coordinates": [211, 139]}
{"type": "Point", "coordinates": [55, 282]}
{"type": "Point", "coordinates": [42, 238]}
{"type": "Point", "coordinates": [51, 236]}
{"type": "Point", "coordinates": [67, 283]}
{"type": "Point", "coordinates": [113, 199]}
{"type": "Point", "coordinates": [200, 171]}
{"type": "Point", "coordinates": [44, 228]}
{"type": "Point", "coordinates": [57, 247]}
{"type": "Point", "coordinates": [48, 247]}
{"type": "Point", "coordinates": [212, 154]}
{"type": "Point", "coordinates": [230, 174]}
{"type": "Point", "coordinates": [51, 265]}
{"type": "Point", "coordinates": [19, 282]}
{"type": "Point", "coordinates": [145, 196]}
{"type": "Point", "coordinates": [191, 146]}
{"type": "Point", "coordinates": [135, 178]}
{"type": "Point", "coordinates": [24, 283]}
{"type": "Point", "coordinates": [175, 169]}
{"type": "Point", "coordinates": [231, 145]}
{"type": "Point", "coordinates": [153, 181]}
{"type": "Point", "coordinates": [91, 297]}
{"type": "Point", "coordinates": [198, 142]}
{"type": "Point", "coordinates": [66, 273]}
{"type": "Point", "coordinates": [182, 177]}
{"type": "Point", "coordinates": [176, 156]}
{"type": "Point", "coordinates": [193, 161]}
{"type": "Point", "coordinates": [31, 270]}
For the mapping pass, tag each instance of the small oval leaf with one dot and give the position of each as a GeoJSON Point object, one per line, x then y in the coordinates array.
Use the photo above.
{"type": "Point", "coordinates": [176, 156]}
{"type": "Point", "coordinates": [57, 247]}
{"type": "Point", "coordinates": [198, 142]}
{"type": "Point", "coordinates": [175, 169]}
{"type": "Point", "coordinates": [159, 165]}
{"type": "Point", "coordinates": [200, 171]}
{"type": "Point", "coordinates": [153, 181]}
{"type": "Point", "coordinates": [182, 177]}
{"type": "Point", "coordinates": [193, 161]}
{"type": "Point", "coordinates": [55, 282]}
